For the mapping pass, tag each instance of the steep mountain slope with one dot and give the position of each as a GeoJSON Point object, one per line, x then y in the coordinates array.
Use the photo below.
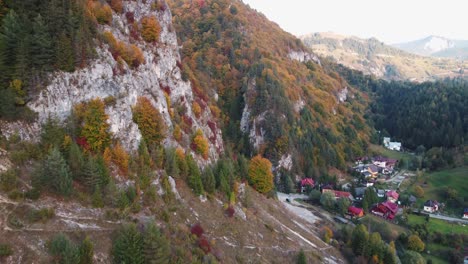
{"type": "Point", "coordinates": [437, 46]}
{"type": "Point", "coordinates": [276, 98]}
{"type": "Point", "coordinates": [79, 167]}
{"type": "Point", "coordinates": [158, 78]}
{"type": "Point", "coordinates": [374, 57]}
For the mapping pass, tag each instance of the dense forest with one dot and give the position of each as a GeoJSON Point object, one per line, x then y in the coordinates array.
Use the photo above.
{"type": "Point", "coordinates": [225, 51]}
{"type": "Point", "coordinates": [428, 118]}
{"type": "Point", "coordinates": [36, 38]}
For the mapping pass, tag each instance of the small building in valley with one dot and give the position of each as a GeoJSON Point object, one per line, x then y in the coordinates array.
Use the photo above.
{"type": "Point", "coordinates": [465, 213]}
{"type": "Point", "coordinates": [355, 211]}
{"type": "Point", "coordinates": [431, 206]}
{"type": "Point", "coordinates": [392, 196]}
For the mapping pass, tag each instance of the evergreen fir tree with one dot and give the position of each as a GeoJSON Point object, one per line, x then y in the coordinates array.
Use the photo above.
{"type": "Point", "coordinates": [64, 54]}
{"type": "Point", "coordinates": [86, 251]}
{"type": "Point", "coordinates": [128, 246]}
{"type": "Point", "coordinates": [194, 177]}
{"type": "Point", "coordinates": [42, 45]}
{"type": "Point", "coordinates": [209, 181]}
{"type": "Point", "coordinates": [91, 174]}
{"type": "Point", "coordinates": [10, 38]}
{"type": "Point", "coordinates": [156, 246]}
{"type": "Point", "coordinates": [75, 160]}
{"type": "Point", "coordinates": [56, 173]}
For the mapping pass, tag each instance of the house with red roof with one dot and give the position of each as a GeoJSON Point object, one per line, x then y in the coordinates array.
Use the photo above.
{"type": "Point", "coordinates": [392, 196]}
{"type": "Point", "coordinates": [355, 211]}
{"type": "Point", "coordinates": [386, 210]}
{"type": "Point", "coordinates": [307, 182]}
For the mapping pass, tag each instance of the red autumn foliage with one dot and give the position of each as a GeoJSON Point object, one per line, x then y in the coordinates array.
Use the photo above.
{"type": "Point", "coordinates": [188, 120]}
{"type": "Point", "coordinates": [230, 211]}
{"type": "Point", "coordinates": [165, 88]}
{"type": "Point", "coordinates": [197, 230]}
{"type": "Point", "coordinates": [82, 142]}
{"type": "Point", "coordinates": [130, 17]}
{"type": "Point", "coordinates": [204, 244]}
{"type": "Point", "coordinates": [212, 126]}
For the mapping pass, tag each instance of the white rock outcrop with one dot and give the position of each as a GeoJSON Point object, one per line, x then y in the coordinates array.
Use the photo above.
{"type": "Point", "coordinates": [103, 79]}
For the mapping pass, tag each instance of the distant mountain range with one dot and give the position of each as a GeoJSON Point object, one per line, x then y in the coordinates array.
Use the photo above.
{"type": "Point", "coordinates": [437, 46]}
{"type": "Point", "coordinates": [374, 57]}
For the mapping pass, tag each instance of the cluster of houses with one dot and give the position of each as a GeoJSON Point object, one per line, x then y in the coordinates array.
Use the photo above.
{"type": "Point", "coordinates": [391, 145]}
{"type": "Point", "coordinates": [370, 167]}
{"type": "Point", "coordinates": [389, 208]}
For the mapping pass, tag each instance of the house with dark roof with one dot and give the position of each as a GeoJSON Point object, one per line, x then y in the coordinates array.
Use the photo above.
{"type": "Point", "coordinates": [431, 206]}
{"type": "Point", "coordinates": [465, 213]}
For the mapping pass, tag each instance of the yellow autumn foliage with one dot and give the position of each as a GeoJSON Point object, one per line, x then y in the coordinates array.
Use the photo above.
{"type": "Point", "coordinates": [149, 121]}
{"type": "Point", "coordinates": [260, 175]}
{"type": "Point", "coordinates": [150, 29]}
{"type": "Point", "coordinates": [200, 144]}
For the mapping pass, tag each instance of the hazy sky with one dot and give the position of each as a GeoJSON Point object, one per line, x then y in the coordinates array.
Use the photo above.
{"type": "Point", "coordinates": [390, 21]}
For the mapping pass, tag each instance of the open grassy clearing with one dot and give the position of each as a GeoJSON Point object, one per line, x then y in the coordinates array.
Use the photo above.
{"type": "Point", "coordinates": [380, 150]}
{"type": "Point", "coordinates": [437, 225]}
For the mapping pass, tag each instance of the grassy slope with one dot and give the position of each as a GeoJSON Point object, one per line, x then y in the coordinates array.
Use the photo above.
{"type": "Point", "coordinates": [437, 225]}
{"type": "Point", "coordinates": [389, 153]}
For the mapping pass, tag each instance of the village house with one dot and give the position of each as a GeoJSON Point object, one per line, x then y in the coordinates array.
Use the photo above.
{"type": "Point", "coordinates": [391, 145]}
{"type": "Point", "coordinates": [392, 196]}
{"type": "Point", "coordinates": [431, 206]}
{"type": "Point", "coordinates": [465, 213]}
{"type": "Point", "coordinates": [355, 211]}
{"type": "Point", "coordinates": [307, 183]}
{"type": "Point", "coordinates": [386, 210]}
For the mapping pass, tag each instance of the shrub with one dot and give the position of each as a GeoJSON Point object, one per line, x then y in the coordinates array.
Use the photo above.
{"type": "Point", "coordinates": [117, 5]}
{"type": "Point", "coordinates": [149, 121]}
{"type": "Point", "coordinates": [196, 109]}
{"type": "Point", "coordinates": [260, 175]}
{"type": "Point", "coordinates": [8, 180]}
{"type": "Point", "coordinates": [150, 29]}
{"type": "Point", "coordinates": [5, 250]}
{"type": "Point", "coordinates": [197, 230]}
{"type": "Point", "coordinates": [102, 12]}
{"type": "Point", "coordinates": [120, 158]}
{"type": "Point", "coordinates": [42, 215]}
{"type": "Point", "coordinates": [127, 246]}
{"type": "Point", "coordinates": [415, 243]}
{"type": "Point", "coordinates": [200, 144]}
{"type": "Point", "coordinates": [418, 192]}
{"type": "Point", "coordinates": [63, 249]}
{"type": "Point", "coordinates": [131, 54]}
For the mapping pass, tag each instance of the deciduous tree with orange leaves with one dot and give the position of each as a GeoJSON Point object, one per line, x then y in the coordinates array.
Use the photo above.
{"type": "Point", "coordinates": [149, 121]}
{"type": "Point", "coordinates": [95, 127]}
{"type": "Point", "coordinates": [260, 175]}
{"type": "Point", "coordinates": [200, 144]}
{"type": "Point", "coordinates": [150, 29]}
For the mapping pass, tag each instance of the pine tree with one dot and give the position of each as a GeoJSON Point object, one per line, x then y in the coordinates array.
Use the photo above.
{"type": "Point", "coordinates": [209, 181]}
{"type": "Point", "coordinates": [128, 246]}
{"type": "Point", "coordinates": [86, 251]}
{"type": "Point", "coordinates": [91, 174]}
{"type": "Point", "coordinates": [10, 39]}
{"type": "Point", "coordinates": [56, 174]}
{"type": "Point", "coordinates": [359, 239]}
{"type": "Point", "coordinates": [194, 178]}
{"type": "Point", "coordinates": [75, 160]}
{"type": "Point", "coordinates": [42, 45]}
{"type": "Point", "coordinates": [301, 258]}
{"type": "Point", "coordinates": [156, 246]}
{"type": "Point", "coordinates": [64, 59]}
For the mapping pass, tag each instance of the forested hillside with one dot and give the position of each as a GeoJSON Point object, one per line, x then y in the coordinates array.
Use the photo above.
{"type": "Point", "coordinates": [36, 38]}
{"type": "Point", "coordinates": [427, 117]}
{"type": "Point", "coordinates": [275, 98]}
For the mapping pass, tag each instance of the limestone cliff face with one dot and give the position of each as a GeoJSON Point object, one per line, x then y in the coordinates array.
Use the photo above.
{"type": "Point", "coordinates": [101, 79]}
